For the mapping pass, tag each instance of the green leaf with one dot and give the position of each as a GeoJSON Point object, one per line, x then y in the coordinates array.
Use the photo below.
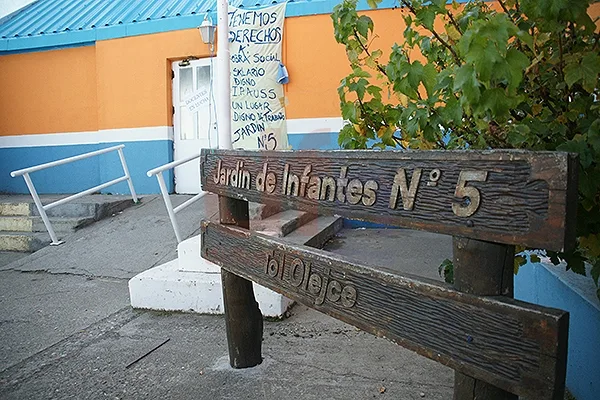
{"type": "Point", "coordinates": [361, 85]}
{"type": "Point", "coordinates": [426, 16]}
{"type": "Point", "coordinates": [374, 91]}
{"type": "Point", "coordinates": [446, 270]}
{"type": "Point", "coordinates": [518, 263]}
{"type": "Point", "coordinates": [517, 63]}
{"type": "Point", "coordinates": [352, 55]}
{"type": "Point", "coordinates": [363, 25]}
{"type": "Point", "coordinates": [349, 111]}
{"type": "Point", "coordinates": [452, 112]}
{"type": "Point", "coordinates": [466, 81]}
{"type": "Point", "coordinates": [576, 263]}
{"type": "Point", "coordinates": [359, 73]}
{"type": "Point", "coordinates": [578, 145]}
{"type": "Point", "coordinates": [496, 101]}
{"type": "Point", "coordinates": [373, 3]}
{"type": "Point", "coordinates": [429, 78]}
{"type": "Point", "coordinates": [526, 38]}
{"type": "Point", "coordinates": [590, 67]}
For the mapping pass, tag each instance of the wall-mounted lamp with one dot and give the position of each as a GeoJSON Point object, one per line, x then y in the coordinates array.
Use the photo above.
{"type": "Point", "coordinates": [207, 31]}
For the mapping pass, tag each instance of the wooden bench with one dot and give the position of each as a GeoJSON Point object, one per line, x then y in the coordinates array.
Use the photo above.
{"type": "Point", "coordinates": [489, 201]}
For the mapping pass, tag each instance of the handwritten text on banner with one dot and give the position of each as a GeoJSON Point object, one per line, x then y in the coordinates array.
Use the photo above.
{"type": "Point", "coordinates": [257, 111]}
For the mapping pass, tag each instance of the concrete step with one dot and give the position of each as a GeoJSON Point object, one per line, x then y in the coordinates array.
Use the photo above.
{"type": "Point", "coordinates": [23, 241]}
{"type": "Point", "coordinates": [16, 208]}
{"type": "Point", "coordinates": [316, 232]}
{"type": "Point", "coordinates": [94, 206]}
{"type": "Point", "coordinates": [281, 224]}
{"type": "Point", "coordinates": [35, 224]}
{"type": "Point", "coordinates": [189, 260]}
{"type": "Point", "coordinates": [193, 284]}
{"type": "Point", "coordinates": [261, 211]}
{"type": "Point", "coordinates": [20, 220]}
{"type": "Point", "coordinates": [167, 288]}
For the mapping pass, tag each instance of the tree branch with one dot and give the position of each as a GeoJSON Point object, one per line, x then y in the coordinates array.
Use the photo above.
{"type": "Point", "coordinates": [434, 33]}
{"type": "Point", "coordinates": [398, 142]}
{"type": "Point", "coordinates": [453, 21]}
{"type": "Point", "coordinates": [505, 9]}
{"type": "Point", "coordinates": [366, 50]}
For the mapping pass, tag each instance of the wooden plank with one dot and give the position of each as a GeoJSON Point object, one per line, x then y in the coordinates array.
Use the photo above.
{"type": "Point", "coordinates": [512, 197]}
{"type": "Point", "coordinates": [484, 269]}
{"type": "Point", "coordinates": [510, 344]}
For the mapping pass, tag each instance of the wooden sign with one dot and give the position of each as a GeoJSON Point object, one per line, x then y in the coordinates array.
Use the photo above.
{"type": "Point", "coordinates": [511, 197]}
{"type": "Point", "coordinates": [515, 346]}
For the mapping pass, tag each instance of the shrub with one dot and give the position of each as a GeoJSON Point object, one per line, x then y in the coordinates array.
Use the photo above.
{"type": "Point", "coordinates": [507, 74]}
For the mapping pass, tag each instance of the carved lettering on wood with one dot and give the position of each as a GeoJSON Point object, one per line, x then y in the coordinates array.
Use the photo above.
{"type": "Point", "coordinates": [511, 197]}
{"type": "Point", "coordinates": [298, 273]}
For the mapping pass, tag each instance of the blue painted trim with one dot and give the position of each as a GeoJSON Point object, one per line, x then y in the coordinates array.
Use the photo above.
{"type": "Point", "coordinates": [314, 141]}
{"type": "Point", "coordinates": [55, 39]}
{"type": "Point", "coordinates": [85, 37]}
{"type": "Point", "coordinates": [40, 49]}
{"type": "Point", "coordinates": [141, 156]}
{"type": "Point", "coordinates": [356, 224]}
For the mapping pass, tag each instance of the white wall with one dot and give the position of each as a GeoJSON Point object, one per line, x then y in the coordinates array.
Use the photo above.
{"type": "Point", "coordinates": [9, 6]}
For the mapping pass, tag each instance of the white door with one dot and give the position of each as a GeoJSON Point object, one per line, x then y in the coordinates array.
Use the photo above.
{"type": "Point", "coordinates": [194, 121]}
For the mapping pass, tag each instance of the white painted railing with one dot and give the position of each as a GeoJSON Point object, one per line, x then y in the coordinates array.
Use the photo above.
{"type": "Point", "coordinates": [165, 193]}
{"type": "Point", "coordinates": [42, 208]}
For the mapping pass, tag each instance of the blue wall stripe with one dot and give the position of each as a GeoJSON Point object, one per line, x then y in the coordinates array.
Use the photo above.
{"type": "Point", "coordinates": [141, 156]}
{"type": "Point", "coordinates": [314, 141]}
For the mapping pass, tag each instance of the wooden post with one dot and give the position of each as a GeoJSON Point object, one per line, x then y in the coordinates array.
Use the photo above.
{"type": "Point", "coordinates": [484, 269]}
{"type": "Point", "coordinates": [243, 319]}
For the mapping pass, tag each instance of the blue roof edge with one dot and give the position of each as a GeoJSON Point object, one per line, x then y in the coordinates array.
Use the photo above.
{"type": "Point", "coordinates": [89, 36]}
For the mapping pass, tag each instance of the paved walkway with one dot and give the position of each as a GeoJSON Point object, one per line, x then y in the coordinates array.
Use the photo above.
{"type": "Point", "coordinates": [67, 330]}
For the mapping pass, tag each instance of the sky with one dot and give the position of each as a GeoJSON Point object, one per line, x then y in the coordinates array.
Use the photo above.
{"type": "Point", "coordinates": [8, 6]}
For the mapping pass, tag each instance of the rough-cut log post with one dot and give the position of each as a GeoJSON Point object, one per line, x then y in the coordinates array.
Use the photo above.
{"type": "Point", "coordinates": [243, 318]}
{"type": "Point", "coordinates": [485, 269]}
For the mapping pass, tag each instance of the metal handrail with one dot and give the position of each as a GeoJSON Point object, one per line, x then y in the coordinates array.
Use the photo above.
{"type": "Point", "coordinates": [42, 208]}
{"type": "Point", "coordinates": [158, 172]}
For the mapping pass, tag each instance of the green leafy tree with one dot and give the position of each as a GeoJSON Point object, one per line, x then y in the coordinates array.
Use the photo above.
{"type": "Point", "coordinates": [509, 74]}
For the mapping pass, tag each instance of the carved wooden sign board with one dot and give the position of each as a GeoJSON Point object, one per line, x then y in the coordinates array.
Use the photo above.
{"type": "Point", "coordinates": [505, 197]}
{"type": "Point", "coordinates": [510, 197]}
{"type": "Point", "coordinates": [514, 345]}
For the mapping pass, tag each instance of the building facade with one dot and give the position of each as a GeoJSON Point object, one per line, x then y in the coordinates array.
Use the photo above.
{"type": "Point", "coordinates": [77, 76]}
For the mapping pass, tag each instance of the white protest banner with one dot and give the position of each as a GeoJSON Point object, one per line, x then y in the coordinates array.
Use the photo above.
{"type": "Point", "coordinates": [257, 102]}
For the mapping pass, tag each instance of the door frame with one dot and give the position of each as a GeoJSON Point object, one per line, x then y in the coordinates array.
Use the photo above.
{"type": "Point", "coordinates": [175, 93]}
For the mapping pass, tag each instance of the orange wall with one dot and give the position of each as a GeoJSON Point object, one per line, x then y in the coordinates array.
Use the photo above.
{"type": "Point", "coordinates": [316, 62]}
{"type": "Point", "coordinates": [126, 83]}
{"type": "Point", "coordinates": [134, 76]}
{"type": "Point", "coordinates": [50, 91]}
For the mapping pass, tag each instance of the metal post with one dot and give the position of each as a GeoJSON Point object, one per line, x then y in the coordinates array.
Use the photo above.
{"type": "Point", "coordinates": [167, 200]}
{"type": "Point", "coordinates": [126, 171]}
{"type": "Point", "coordinates": [223, 76]}
{"type": "Point", "coordinates": [40, 207]}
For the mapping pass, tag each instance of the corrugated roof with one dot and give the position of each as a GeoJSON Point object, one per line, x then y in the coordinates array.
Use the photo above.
{"type": "Point", "coordinates": [60, 23]}
{"type": "Point", "coordinates": [46, 17]}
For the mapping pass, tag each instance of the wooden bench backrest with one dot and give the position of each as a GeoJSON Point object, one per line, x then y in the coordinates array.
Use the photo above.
{"type": "Point", "coordinates": [506, 197]}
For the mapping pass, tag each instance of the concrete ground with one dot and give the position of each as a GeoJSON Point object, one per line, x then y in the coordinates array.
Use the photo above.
{"type": "Point", "coordinates": [67, 330]}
